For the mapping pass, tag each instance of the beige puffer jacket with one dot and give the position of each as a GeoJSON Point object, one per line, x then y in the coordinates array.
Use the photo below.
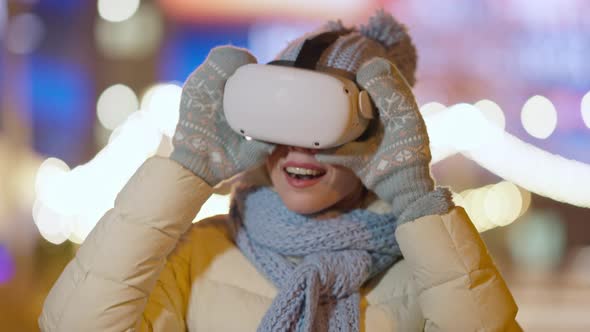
{"type": "Point", "coordinates": [145, 267]}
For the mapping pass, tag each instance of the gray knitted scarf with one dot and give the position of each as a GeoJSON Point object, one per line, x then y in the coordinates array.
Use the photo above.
{"type": "Point", "coordinates": [318, 266]}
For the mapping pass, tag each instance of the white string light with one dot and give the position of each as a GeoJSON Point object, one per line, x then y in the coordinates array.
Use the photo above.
{"type": "Point", "coordinates": [509, 157]}
{"type": "Point", "coordinates": [162, 107]}
{"type": "Point", "coordinates": [69, 203]}
{"type": "Point", "coordinates": [432, 107]}
{"type": "Point", "coordinates": [492, 112]}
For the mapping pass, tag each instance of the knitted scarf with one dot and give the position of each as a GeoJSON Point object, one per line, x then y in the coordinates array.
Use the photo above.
{"type": "Point", "coordinates": [318, 266]}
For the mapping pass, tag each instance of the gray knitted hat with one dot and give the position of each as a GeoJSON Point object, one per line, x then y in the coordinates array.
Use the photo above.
{"type": "Point", "coordinates": [382, 37]}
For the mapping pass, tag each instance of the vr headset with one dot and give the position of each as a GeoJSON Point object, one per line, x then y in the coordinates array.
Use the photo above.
{"type": "Point", "coordinates": [296, 102]}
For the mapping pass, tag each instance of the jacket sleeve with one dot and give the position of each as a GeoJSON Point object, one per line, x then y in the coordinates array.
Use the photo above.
{"type": "Point", "coordinates": [107, 284]}
{"type": "Point", "coordinates": [167, 303]}
{"type": "Point", "coordinates": [459, 286]}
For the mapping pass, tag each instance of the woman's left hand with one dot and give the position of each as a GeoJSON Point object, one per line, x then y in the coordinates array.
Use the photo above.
{"type": "Point", "coordinates": [394, 161]}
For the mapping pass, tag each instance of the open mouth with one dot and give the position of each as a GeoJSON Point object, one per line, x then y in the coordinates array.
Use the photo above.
{"type": "Point", "coordinates": [301, 173]}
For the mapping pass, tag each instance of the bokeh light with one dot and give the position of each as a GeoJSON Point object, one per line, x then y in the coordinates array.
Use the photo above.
{"type": "Point", "coordinates": [474, 206]}
{"type": "Point", "coordinates": [537, 242]}
{"type": "Point", "coordinates": [492, 112]}
{"type": "Point", "coordinates": [117, 10]}
{"type": "Point", "coordinates": [585, 109]}
{"type": "Point", "coordinates": [264, 9]}
{"type": "Point", "coordinates": [24, 33]}
{"type": "Point", "coordinates": [494, 205]}
{"type": "Point", "coordinates": [115, 104]}
{"type": "Point", "coordinates": [136, 37]}
{"type": "Point", "coordinates": [525, 199]}
{"type": "Point", "coordinates": [503, 203]}
{"type": "Point", "coordinates": [539, 117]}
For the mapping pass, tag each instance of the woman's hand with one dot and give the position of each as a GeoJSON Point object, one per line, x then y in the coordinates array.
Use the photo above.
{"type": "Point", "coordinates": [394, 160]}
{"type": "Point", "coordinates": [204, 142]}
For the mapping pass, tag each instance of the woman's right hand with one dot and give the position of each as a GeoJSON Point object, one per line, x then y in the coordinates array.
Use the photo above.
{"type": "Point", "coordinates": [204, 142]}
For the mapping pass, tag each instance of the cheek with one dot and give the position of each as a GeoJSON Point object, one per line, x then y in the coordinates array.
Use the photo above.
{"type": "Point", "coordinates": [343, 183]}
{"type": "Point", "coordinates": [273, 160]}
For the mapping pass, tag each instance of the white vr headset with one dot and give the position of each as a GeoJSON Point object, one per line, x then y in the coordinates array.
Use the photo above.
{"type": "Point", "coordinates": [290, 103]}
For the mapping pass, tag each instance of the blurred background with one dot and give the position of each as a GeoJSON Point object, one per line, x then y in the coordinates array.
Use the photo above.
{"type": "Point", "coordinates": [90, 89]}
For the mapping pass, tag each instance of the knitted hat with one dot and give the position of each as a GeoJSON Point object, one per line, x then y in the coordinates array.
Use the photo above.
{"type": "Point", "coordinates": [382, 37]}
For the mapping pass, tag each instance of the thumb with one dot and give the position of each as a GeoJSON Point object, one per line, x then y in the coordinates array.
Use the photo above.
{"type": "Point", "coordinates": [352, 155]}
{"type": "Point", "coordinates": [252, 152]}
{"type": "Point", "coordinates": [332, 159]}
{"type": "Point", "coordinates": [228, 59]}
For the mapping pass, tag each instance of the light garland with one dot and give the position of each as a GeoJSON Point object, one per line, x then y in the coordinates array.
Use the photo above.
{"type": "Point", "coordinates": [461, 129]}
{"type": "Point", "coordinates": [70, 203]}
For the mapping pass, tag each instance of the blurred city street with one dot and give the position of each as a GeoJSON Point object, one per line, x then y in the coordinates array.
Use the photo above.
{"type": "Point", "coordinates": [90, 89]}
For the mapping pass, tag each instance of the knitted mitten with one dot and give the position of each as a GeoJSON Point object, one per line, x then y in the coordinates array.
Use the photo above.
{"type": "Point", "coordinates": [204, 142]}
{"type": "Point", "coordinates": [394, 161]}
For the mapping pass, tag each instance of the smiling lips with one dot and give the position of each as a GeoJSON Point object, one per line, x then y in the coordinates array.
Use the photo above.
{"type": "Point", "coordinates": [302, 175]}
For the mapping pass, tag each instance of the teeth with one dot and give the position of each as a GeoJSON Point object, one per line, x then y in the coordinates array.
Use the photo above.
{"type": "Point", "coordinates": [303, 171]}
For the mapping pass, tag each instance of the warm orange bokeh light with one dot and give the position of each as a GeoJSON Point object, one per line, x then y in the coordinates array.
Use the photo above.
{"type": "Point", "coordinates": [346, 10]}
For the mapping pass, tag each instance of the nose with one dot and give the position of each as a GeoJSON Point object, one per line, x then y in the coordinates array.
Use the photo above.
{"type": "Point", "coordinates": [303, 150]}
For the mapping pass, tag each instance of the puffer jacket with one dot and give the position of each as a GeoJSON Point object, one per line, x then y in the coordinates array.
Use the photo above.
{"type": "Point", "coordinates": [146, 267]}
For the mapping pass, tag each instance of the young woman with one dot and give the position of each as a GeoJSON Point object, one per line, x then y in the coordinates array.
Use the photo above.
{"type": "Point", "coordinates": [356, 238]}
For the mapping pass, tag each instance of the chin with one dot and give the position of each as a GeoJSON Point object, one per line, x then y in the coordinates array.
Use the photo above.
{"type": "Point", "coordinates": [305, 203]}
{"type": "Point", "coordinates": [308, 202]}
